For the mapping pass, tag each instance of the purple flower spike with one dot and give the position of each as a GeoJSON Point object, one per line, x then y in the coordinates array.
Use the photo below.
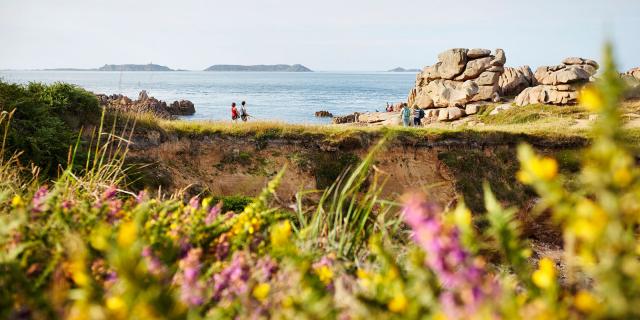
{"type": "Point", "coordinates": [465, 281]}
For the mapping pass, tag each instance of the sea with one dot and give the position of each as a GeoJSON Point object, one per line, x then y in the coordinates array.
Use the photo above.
{"type": "Point", "coordinates": [271, 96]}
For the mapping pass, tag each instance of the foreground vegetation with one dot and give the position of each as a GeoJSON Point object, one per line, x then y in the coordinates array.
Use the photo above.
{"type": "Point", "coordinates": [83, 247]}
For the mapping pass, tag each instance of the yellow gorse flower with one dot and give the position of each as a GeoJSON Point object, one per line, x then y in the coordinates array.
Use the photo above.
{"type": "Point", "coordinates": [115, 303]}
{"type": "Point", "coordinates": [589, 222]}
{"type": "Point", "coordinates": [545, 276]}
{"type": "Point", "coordinates": [127, 234]}
{"type": "Point", "coordinates": [280, 234]}
{"type": "Point", "coordinates": [261, 291]}
{"type": "Point", "coordinates": [398, 303]}
{"type": "Point", "coordinates": [585, 301]}
{"type": "Point", "coordinates": [538, 168]}
{"type": "Point", "coordinates": [17, 201]}
{"type": "Point", "coordinates": [325, 274]}
{"type": "Point", "coordinates": [591, 99]}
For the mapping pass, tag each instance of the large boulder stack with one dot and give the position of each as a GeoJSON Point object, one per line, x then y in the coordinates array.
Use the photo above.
{"type": "Point", "coordinates": [559, 84]}
{"type": "Point", "coordinates": [459, 77]}
{"type": "Point", "coordinates": [514, 80]}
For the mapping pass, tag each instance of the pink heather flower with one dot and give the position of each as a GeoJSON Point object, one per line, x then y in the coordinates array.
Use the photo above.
{"type": "Point", "coordinates": [154, 265]}
{"type": "Point", "coordinates": [213, 213]}
{"type": "Point", "coordinates": [465, 281]}
{"type": "Point", "coordinates": [39, 200]}
{"type": "Point", "coordinates": [110, 193]}
{"type": "Point", "coordinates": [66, 205]}
{"type": "Point", "coordinates": [232, 280]}
{"type": "Point", "coordinates": [194, 203]}
{"type": "Point", "coordinates": [141, 197]}
{"type": "Point", "coordinates": [191, 288]}
{"type": "Point", "coordinates": [266, 267]}
{"type": "Point", "coordinates": [222, 247]}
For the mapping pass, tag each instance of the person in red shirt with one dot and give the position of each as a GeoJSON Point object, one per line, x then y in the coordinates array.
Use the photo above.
{"type": "Point", "coordinates": [234, 112]}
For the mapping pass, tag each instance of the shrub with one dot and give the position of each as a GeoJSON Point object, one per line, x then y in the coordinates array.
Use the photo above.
{"type": "Point", "coordinates": [46, 120]}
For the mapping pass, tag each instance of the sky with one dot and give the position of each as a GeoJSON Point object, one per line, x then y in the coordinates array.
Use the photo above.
{"type": "Point", "coordinates": [324, 35]}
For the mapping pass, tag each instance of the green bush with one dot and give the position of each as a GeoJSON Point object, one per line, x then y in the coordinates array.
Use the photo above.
{"type": "Point", "coordinates": [45, 120]}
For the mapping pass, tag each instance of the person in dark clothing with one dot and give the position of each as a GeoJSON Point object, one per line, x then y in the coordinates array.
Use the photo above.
{"type": "Point", "coordinates": [243, 111]}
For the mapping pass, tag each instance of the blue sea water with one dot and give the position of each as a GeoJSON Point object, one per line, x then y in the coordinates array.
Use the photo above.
{"type": "Point", "coordinates": [278, 96]}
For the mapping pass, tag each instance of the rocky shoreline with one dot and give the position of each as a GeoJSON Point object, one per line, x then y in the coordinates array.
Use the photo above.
{"type": "Point", "coordinates": [146, 104]}
{"type": "Point", "coordinates": [464, 80]}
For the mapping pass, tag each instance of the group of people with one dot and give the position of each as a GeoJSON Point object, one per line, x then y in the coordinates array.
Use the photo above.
{"type": "Point", "coordinates": [407, 114]}
{"type": "Point", "coordinates": [242, 114]}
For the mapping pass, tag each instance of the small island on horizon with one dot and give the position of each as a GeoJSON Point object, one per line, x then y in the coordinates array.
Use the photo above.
{"type": "Point", "coordinates": [120, 67]}
{"type": "Point", "coordinates": [258, 68]}
{"type": "Point", "coordinates": [400, 69]}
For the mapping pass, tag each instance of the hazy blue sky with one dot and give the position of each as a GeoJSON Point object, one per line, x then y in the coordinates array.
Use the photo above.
{"type": "Point", "coordinates": [321, 34]}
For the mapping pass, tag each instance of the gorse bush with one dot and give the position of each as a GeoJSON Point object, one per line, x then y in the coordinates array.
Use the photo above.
{"type": "Point", "coordinates": [82, 248]}
{"type": "Point", "coordinates": [46, 119]}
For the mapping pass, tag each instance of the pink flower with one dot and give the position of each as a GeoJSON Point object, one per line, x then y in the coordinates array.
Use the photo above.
{"type": "Point", "coordinates": [465, 281]}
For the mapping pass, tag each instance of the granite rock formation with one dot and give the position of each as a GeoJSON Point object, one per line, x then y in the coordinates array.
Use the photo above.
{"type": "Point", "coordinates": [514, 80]}
{"type": "Point", "coordinates": [459, 77]}
{"type": "Point", "coordinates": [559, 84]}
{"type": "Point", "coordinates": [146, 104]}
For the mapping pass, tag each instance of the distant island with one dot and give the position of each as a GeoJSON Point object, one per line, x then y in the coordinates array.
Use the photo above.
{"type": "Point", "coordinates": [399, 69]}
{"type": "Point", "coordinates": [120, 67]}
{"type": "Point", "coordinates": [260, 68]}
{"type": "Point", "coordinates": [134, 67]}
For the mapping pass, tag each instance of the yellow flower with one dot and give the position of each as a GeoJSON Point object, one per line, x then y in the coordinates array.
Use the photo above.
{"type": "Point", "coordinates": [591, 99]}
{"type": "Point", "coordinates": [463, 217]}
{"type": "Point", "coordinates": [287, 302]}
{"type": "Point", "coordinates": [325, 274]}
{"type": "Point", "coordinates": [622, 177]}
{"type": "Point", "coordinates": [206, 202]}
{"type": "Point", "coordinates": [17, 201]}
{"type": "Point", "coordinates": [544, 168]}
{"type": "Point", "coordinates": [115, 303]}
{"type": "Point", "coordinates": [524, 177]}
{"type": "Point", "coordinates": [127, 234]}
{"type": "Point", "coordinates": [545, 276]}
{"type": "Point", "coordinates": [281, 233]}
{"type": "Point", "coordinates": [398, 303]}
{"type": "Point", "coordinates": [78, 274]}
{"type": "Point", "coordinates": [590, 221]}
{"type": "Point", "coordinates": [585, 301]}
{"type": "Point", "coordinates": [261, 291]}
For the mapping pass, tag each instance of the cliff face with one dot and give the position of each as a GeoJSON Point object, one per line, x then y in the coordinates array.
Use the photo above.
{"type": "Point", "coordinates": [231, 165]}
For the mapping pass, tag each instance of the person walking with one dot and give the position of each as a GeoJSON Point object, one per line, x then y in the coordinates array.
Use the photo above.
{"type": "Point", "coordinates": [243, 112]}
{"type": "Point", "coordinates": [417, 116]}
{"type": "Point", "coordinates": [234, 112]}
{"type": "Point", "coordinates": [405, 113]}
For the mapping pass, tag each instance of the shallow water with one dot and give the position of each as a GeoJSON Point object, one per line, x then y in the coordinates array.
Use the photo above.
{"type": "Point", "coordinates": [280, 96]}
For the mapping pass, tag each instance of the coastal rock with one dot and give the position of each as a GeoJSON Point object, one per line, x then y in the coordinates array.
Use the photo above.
{"type": "Point", "coordinates": [559, 84]}
{"type": "Point", "coordinates": [146, 104]}
{"type": "Point", "coordinates": [634, 73]}
{"type": "Point", "coordinates": [182, 108]}
{"type": "Point", "coordinates": [350, 118]}
{"type": "Point", "coordinates": [324, 114]}
{"type": "Point", "coordinates": [632, 80]}
{"type": "Point", "coordinates": [460, 76]}
{"type": "Point", "coordinates": [546, 94]}
{"type": "Point", "coordinates": [514, 80]}
{"type": "Point", "coordinates": [452, 62]}
{"type": "Point", "coordinates": [478, 53]}
{"type": "Point", "coordinates": [450, 114]}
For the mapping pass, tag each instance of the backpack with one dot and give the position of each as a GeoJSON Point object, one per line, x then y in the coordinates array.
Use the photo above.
{"type": "Point", "coordinates": [421, 114]}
